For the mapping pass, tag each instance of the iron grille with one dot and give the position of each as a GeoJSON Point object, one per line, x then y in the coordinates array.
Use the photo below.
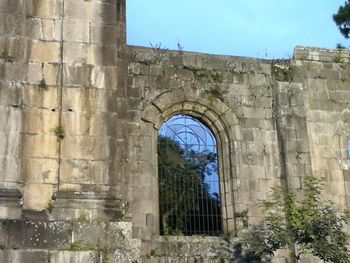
{"type": "Point", "coordinates": [189, 188]}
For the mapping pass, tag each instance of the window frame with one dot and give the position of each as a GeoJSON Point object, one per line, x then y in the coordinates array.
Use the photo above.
{"type": "Point", "coordinates": [226, 157]}
{"type": "Point", "coordinates": [207, 130]}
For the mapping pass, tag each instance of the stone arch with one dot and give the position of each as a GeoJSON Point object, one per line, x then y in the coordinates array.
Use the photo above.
{"type": "Point", "coordinates": [212, 110]}
{"type": "Point", "coordinates": [214, 113]}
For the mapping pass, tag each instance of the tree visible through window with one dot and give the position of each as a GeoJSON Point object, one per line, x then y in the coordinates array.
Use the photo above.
{"type": "Point", "coordinates": [189, 189]}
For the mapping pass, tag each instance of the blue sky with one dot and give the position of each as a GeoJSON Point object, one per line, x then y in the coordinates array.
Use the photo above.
{"type": "Point", "coordinates": [265, 28]}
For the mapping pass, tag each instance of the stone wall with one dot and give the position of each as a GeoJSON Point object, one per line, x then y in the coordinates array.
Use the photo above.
{"type": "Point", "coordinates": [28, 241]}
{"type": "Point", "coordinates": [80, 113]}
{"type": "Point", "coordinates": [233, 96]}
{"type": "Point", "coordinates": [275, 121]}
{"type": "Point", "coordinates": [326, 80]}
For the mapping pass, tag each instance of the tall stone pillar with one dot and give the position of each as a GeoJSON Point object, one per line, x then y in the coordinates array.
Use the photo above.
{"type": "Point", "coordinates": [62, 104]}
{"type": "Point", "coordinates": [92, 154]}
{"type": "Point", "coordinates": [29, 62]}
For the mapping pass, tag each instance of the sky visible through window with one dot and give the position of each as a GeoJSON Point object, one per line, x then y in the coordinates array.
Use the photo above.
{"type": "Point", "coordinates": [191, 134]}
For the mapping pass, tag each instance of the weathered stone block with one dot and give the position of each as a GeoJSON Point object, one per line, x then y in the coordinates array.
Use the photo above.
{"type": "Point", "coordinates": [104, 12]}
{"type": "Point", "coordinates": [84, 7]}
{"type": "Point", "coordinates": [51, 54]}
{"type": "Point", "coordinates": [102, 55]}
{"type": "Point", "coordinates": [37, 196]}
{"type": "Point", "coordinates": [151, 114]}
{"type": "Point", "coordinates": [11, 24]}
{"type": "Point", "coordinates": [10, 117]}
{"type": "Point", "coordinates": [74, 256]}
{"type": "Point", "coordinates": [118, 172]}
{"type": "Point", "coordinates": [10, 211]}
{"type": "Point", "coordinates": [40, 170]}
{"type": "Point", "coordinates": [33, 28]}
{"type": "Point", "coordinates": [39, 121]}
{"type": "Point", "coordinates": [33, 234]}
{"type": "Point", "coordinates": [51, 74]}
{"type": "Point", "coordinates": [13, 72]}
{"type": "Point", "coordinates": [9, 142]}
{"type": "Point", "coordinates": [34, 73]}
{"type": "Point", "coordinates": [40, 145]}
{"type": "Point", "coordinates": [115, 80]}
{"type": "Point", "coordinates": [9, 166]}
{"type": "Point", "coordinates": [8, 6]}
{"type": "Point", "coordinates": [76, 31]}
{"type": "Point", "coordinates": [86, 147]}
{"type": "Point", "coordinates": [77, 75]}
{"type": "Point", "coordinates": [45, 9]}
{"type": "Point", "coordinates": [139, 151]}
{"type": "Point", "coordinates": [84, 100]}
{"type": "Point", "coordinates": [82, 171]}
{"type": "Point", "coordinates": [15, 46]}
{"type": "Point", "coordinates": [104, 35]}
{"type": "Point", "coordinates": [75, 53]}
{"type": "Point", "coordinates": [51, 29]}
{"type": "Point", "coordinates": [24, 256]}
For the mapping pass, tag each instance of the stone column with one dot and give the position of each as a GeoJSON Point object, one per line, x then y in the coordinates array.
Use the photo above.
{"type": "Point", "coordinates": [39, 151]}
{"type": "Point", "coordinates": [63, 105]}
{"type": "Point", "coordinates": [94, 112]}
{"type": "Point", "coordinates": [13, 80]}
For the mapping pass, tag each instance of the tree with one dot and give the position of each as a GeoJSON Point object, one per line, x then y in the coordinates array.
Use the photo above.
{"type": "Point", "coordinates": [184, 194]}
{"type": "Point", "coordinates": [342, 19]}
{"type": "Point", "coordinates": [310, 225]}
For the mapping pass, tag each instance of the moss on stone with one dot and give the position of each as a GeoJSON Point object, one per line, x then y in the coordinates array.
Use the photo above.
{"type": "Point", "coordinates": [80, 245]}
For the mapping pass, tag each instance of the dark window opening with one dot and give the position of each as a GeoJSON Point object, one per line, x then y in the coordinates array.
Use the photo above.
{"type": "Point", "coordinates": [189, 187]}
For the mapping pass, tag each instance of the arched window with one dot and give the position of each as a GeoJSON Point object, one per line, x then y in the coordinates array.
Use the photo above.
{"type": "Point", "coordinates": [189, 187]}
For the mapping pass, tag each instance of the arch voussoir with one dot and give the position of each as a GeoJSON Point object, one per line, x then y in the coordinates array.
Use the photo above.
{"type": "Point", "coordinates": [213, 111]}
{"type": "Point", "coordinates": [150, 114]}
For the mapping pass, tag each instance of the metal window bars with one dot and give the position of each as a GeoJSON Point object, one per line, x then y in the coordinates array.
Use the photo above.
{"type": "Point", "coordinates": [189, 188]}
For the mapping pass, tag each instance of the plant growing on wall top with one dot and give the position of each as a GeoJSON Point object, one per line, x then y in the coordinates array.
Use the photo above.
{"type": "Point", "coordinates": [282, 70]}
{"type": "Point", "coordinates": [308, 226]}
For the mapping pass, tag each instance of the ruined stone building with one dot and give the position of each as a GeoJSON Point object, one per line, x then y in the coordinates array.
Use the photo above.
{"type": "Point", "coordinates": [80, 113]}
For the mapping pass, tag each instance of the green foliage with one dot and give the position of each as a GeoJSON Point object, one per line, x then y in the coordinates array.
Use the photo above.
{"type": "Point", "coordinates": [182, 188]}
{"type": "Point", "coordinates": [83, 218]}
{"type": "Point", "coordinates": [282, 70]}
{"type": "Point", "coordinates": [215, 92]}
{"type": "Point", "coordinates": [59, 131]}
{"type": "Point", "coordinates": [5, 56]}
{"type": "Point", "coordinates": [342, 19]}
{"type": "Point", "coordinates": [337, 59]}
{"type": "Point", "coordinates": [310, 225]}
{"type": "Point", "coordinates": [340, 46]}
{"type": "Point", "coordinates": [79, 245]}
{"type": "Point", "coordinates": [50, 206]}
{"type": "Point", "coordinates": [43, 85]}
{"type": "Point", "coordinates": [210, 79]}
{"type": "Point", "coordinates": [205, 75]}
{"type": "Point", "coordinates": [243, 215]}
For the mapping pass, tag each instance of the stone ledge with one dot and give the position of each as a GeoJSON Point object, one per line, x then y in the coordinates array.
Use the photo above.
{"type": "Point", "coordinates": [10, 195]}
{"type": "Point", "coordinates": [87, 195]}
{"type": "Point", "coordinates": [63, 235]}
{"type": "Point", "coordinates": [321, 54]}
